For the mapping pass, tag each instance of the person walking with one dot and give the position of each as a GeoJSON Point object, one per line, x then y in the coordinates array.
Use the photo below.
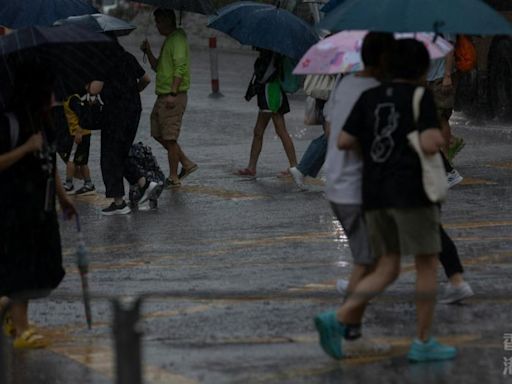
{"type": "Point", "coordinates": [30, 248]}
{"type": "Point", "coordinates": [172, 69]}
{"type": "Point", "coordinates": [401, 219]}
{"type": "Point", "coordinates": [122, 108]}
{"type": "Point", "coordinates": [273, 104]}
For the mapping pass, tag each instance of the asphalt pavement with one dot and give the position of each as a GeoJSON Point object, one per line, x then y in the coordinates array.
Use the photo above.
{"type": "Point", "coordinates": [233, 270]}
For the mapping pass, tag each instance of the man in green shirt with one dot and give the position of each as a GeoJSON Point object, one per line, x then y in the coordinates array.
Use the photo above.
{"type": "Point", "coordinates": [172, 83]}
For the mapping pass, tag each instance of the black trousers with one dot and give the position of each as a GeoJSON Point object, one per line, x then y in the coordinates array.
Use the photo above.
{"type": "Point", "coordinates": [449, 257]}
{"type": "Point", "coordinates": [116, 141]}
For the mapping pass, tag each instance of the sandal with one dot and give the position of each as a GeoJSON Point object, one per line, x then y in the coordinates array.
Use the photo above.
{"type": "Point", "coordinates": [30, 339]}
{"type": "Point", "coordinates": [8, 326]}
{"type": "Point", "coordinates": [245, 172]}
{"type": "Point", "coordinates": [187, 171]}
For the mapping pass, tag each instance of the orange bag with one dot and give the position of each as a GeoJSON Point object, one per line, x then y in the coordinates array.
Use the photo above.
{"type": "Point", "coordinates": [465, 54]}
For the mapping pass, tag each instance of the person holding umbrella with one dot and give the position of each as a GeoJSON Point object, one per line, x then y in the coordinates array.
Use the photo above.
{"type": "Point", "coordinates": [273, 104]}
{"type": "Point", "coordinates": [172, 84]}
{"type": "Point", "coordinates": [30, 249]}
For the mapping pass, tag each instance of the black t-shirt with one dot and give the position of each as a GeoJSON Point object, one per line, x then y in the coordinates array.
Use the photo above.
{"type": "Point", "coordinates": [120, 92]}
{"type": "Point", "coordinates": [381, 120]}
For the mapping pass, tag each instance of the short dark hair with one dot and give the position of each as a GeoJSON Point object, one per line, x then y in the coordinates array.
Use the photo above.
{"type": "Point", "coordinates": [375, 44]}
{"type": "Point", "coordinates": [410, 59]}
{"type": "Point", "coordinates": [165, 14]}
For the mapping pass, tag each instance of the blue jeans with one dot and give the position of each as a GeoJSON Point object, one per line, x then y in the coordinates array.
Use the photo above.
{"type": "Point", "coordinates": [314, 157]}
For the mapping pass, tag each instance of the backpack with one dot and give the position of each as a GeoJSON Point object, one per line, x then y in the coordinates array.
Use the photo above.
{"type": "Point", "coordinates": [290, 83]}
{"type": "Point", "coordinates": [465, 54]}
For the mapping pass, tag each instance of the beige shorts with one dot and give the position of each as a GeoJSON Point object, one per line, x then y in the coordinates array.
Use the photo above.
{"type": "Point", "coordinates": [166, 121]}
{"type": "Point", "coordinates": [413, 231]}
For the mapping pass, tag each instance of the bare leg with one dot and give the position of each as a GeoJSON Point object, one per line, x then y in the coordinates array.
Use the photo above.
{"type": "Point", "coordinates": [426, 287]}
{"type": "Point", "coordinates": [173, 156]}
{"type": "Point", "coordinates": [281, 131]}
{"type": "Point", "coordinates": [386, 271]}
{"type": "Point", "coordinates": [86, 172]}
{"type": "Point", "coordinates": [184, 160]}
{"type": "Point", "coordinates": [70, 170]}
{"type": "Point", "coordinates": [19, 314]}
{"type": "Point", "coordinates": [257, 139]}
{"type": "Point", "coordinates": [358, 272]}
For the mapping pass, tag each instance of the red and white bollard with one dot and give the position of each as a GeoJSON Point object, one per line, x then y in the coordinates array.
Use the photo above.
{"type": "Point", "coordinates": [214, 68]}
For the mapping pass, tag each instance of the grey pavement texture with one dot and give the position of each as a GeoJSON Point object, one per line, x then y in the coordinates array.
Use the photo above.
{"type": "Point", "coordinates": [238, 268]}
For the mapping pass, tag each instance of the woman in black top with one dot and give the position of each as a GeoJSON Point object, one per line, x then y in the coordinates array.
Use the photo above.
{"type": "Point", "coordinates": [30, 249]}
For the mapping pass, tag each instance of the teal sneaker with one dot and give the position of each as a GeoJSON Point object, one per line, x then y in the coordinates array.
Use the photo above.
{"type": "Point", "coordinates": [331, 334]}
{"type": "Point", "coordinates": [430, 350]}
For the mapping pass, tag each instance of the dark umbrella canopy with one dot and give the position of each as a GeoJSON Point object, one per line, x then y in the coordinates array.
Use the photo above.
{"type": "Point", "coordinates": [30, 13]}
{"type": "Point", "coordinates": [331, 5]}
{"type": "Point", "coordinates": [76, 55]}
{"type": "Point", "coordinates": [99, 22]}
{"type": "Point", "coordinates": [440, 16]}
{"type": "Point", "coordinates": [265, 26]}
{"type": "Point", "coordinates": [204, 7]}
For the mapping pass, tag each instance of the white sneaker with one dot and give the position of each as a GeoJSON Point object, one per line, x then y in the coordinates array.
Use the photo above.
{"type": "Point", "coordinates": [144, 206]}
{"type": "Point", "coordinates": [147, 192]}
{"type": "Point", "coordinates": [341, 286]}
{"type": "Point", "coordinates": [453, 178]}
{"type": "Point", "coordinates": [364, 347]}
{"type": "Point", "coordinates": [455, 293]}
{"type": "Point", "coordinates": [298, 177]}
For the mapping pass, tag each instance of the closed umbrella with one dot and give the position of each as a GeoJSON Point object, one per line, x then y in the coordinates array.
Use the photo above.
{"type": "Point", "coordinates": [439, 16]}
{"type": "Point", "coordinates": [30, 13]}
{"type": "Point", "coordinates": [341, 53]}
{"type": "Point", "coordinates": [99, 22]}
{"type": "Point", "coordinates": [82, 263]}
{"type": "Point", "coordinates": [265, 26]}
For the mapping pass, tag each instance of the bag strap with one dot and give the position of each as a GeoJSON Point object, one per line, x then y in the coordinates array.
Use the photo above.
{"type": "Point", "coordinates": [416, 101]}
{"type": "Point", "coordinates": [14, 128]}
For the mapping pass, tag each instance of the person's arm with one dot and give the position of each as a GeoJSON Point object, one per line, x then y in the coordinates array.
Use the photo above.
{"type": "Point", "coordinates": [66, 204]}
{"type": "Point", "coordinates": [33, 144]}
{"type": "Point", "coordinates": [146, 48]}
{"type": "Point", "coordinates": [179, 58]}
{"type": "Point", "coordinates": [346, 141]}
{"type": "Point", "coordinates": [143, 82]}
{"type": "Point", "coordinates": [431, 141]}
{"type": "Point", "coordinates": [448, 70]}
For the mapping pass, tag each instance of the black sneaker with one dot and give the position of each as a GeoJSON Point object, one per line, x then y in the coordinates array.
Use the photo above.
{"type": "Point", "coordinates": [114, 209]}
{"type": "Point", "coordinates": [69, 188]}
{"type": "Point", "coordinates": [86, 190]}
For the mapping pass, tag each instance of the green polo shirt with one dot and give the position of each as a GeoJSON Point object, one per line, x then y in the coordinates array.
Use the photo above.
{"type": "Point", "coordinates": [174, 60]}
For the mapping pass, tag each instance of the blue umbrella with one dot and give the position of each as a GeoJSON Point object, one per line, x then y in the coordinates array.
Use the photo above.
{"type": "Point", "coordinates": [331, 5]}
{"type": "Point", "coordinates": [30, 13]}
{"type": "Point", "coordinates": [99, 22]}
{"type": "Point", "coordinates": [265, 26]}
{"type": "Point", "coordinates": [440, 16]}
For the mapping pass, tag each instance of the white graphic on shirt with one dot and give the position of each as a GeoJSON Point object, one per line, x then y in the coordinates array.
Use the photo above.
{"type": "Point", "coordinates": [386, 122]}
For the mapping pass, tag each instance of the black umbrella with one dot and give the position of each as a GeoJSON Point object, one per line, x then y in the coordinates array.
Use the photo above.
{"type": "Point", "coordinates": [99, 22]}
{"type": "Point", "coordinates": [76, 55]}
{"type": "Point", "coordinates": [43, 13]}
{"type": "Point", "coordinates": [204, 7]}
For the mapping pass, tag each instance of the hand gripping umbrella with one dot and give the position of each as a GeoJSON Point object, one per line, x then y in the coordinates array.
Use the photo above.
{"type": "Point", "coordinates": [82, 263]}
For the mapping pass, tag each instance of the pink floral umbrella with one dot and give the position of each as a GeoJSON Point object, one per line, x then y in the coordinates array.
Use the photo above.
{"type": "Point", "coordinates": [341, 53]}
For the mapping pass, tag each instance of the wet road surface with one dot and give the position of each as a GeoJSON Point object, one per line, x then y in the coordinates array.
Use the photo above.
{"type": "Point", "coordinates": [235, 269]}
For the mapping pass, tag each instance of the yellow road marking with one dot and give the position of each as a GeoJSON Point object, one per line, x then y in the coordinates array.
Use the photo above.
{"type": "Point", "coordinates": [474, 181]}
{"type": "Point", "coordinates": [500, 165]}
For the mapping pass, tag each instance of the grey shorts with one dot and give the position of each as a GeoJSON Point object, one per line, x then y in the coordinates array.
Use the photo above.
{"type": "Point", "coordinates": [413, 231]}
{"type": "Point", "coordinates": [352, 220]}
